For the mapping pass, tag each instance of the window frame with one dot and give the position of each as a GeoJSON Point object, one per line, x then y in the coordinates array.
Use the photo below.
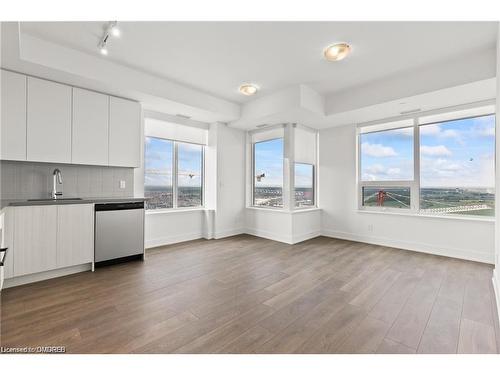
{"type": "Point", "coordinates": [175, 176]}
{"type": "Point", "coordinates": [252, 196]}
{"type": "Point", "coordinates": [415, 183]}
{"type": "Point", "coordinates": [313, 187]}
{"type": "Point", "coordinates": [288, 187]}
{"type": "Point", "coordinates": [412, 184]}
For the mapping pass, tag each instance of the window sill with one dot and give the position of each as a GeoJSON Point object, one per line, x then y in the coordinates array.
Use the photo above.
{"type": "Point", "coordinates": [445, 217]}
{"type": "Point", "coordinates": [175, 210]}
{"type": "Point", "coordinates": [280, 210]}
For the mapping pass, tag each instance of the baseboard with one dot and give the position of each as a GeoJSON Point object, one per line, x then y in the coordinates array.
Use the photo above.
{"type": "Point", "coordinates": [32, 278]}
{"type": "Point", "coordinates": [305, 236]}
{"type": "Point", "coordinates": [229, 232]}
{"type": "Point", "coordinates": [291, 240]}
{"type": "Point", "coordinates": [169, 240]}
{"type": "Point", "coordinates": [413, 246]}
{"type": "Point", "coordinates": [496, 288]}
{"type": "Point", "coordinates": [269, 235]}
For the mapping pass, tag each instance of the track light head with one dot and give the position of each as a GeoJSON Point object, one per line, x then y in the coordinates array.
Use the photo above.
{"type": "Point", "coordinates": [114, 30]}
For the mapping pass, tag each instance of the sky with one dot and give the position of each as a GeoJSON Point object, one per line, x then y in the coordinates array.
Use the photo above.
{"type": "Point", "coordinates": [269, 161]}
{"type": "Point", "coordinates": [458, 153]}
{"type": "Point", "coordinates": [158, 163]}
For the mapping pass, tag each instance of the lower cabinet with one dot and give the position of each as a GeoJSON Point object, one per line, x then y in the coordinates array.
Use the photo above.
{"type": "Point", "coordinates": [34, 239]}
{"type": "Point", "coordinates": [51, 237]}
{"type": "Point", "coordinates": [75, 234]}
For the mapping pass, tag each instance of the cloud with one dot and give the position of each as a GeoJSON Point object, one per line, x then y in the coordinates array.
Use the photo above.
{"type": "Point", "coordinates": [435, 150]}
{"type": "Point", "coordinates": [406, 132]}
{"type": "Point", "coordinates": [437, 131]}
{"type": "Point", "coordinates": [455, 173]}
{"type": "Point", "coordinates": [377, 172]}
{"type": "Point", "coordinates": [377, 150]}
{"type": "Point", "coordinates": [393, 171]}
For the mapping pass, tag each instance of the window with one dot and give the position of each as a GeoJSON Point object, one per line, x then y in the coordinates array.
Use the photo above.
{"type": "Point", "coordinates": [304, 185]}
{"type": "Point", "coordinates": [448, 170]}
{"type": "Point", "coordinates": [387, 165]}
{"type": "Point", "coordinates": [457, 166]}
{"type": "Point", "coordinates": [173, 174]}
{"type": "Point", "coordinates": [387, 155]}
{"type": "Point", "coordinates": [268, 173]}
{"type": "Point", "coordinates": [189, 175]}
{"type": "Point", "coordinates": [282, 167]}
{"type": "Point", "coordinates": [158, 163]}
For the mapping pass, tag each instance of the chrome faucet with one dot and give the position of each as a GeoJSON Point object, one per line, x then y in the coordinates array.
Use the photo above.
{"type": "Point", "coordinates": [56, 179]}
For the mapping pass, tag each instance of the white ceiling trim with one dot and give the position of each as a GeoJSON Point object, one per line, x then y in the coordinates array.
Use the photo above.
{"type": "Point", "coordinates": [32, 55]}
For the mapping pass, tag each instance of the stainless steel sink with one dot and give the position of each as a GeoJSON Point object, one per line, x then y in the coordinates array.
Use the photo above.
{"type": "Point", "coordinates": [54, 200]}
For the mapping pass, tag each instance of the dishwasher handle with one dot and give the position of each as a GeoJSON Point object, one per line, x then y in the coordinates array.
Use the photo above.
{"type": "Point", "coordinates": [119, 206]}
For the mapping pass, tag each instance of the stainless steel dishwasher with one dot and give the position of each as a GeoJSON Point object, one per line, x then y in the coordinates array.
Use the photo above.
{"type": "Point", "coordinates": [119, 232]}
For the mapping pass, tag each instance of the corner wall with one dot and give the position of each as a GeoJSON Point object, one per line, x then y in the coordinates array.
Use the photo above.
{"type": "Point", "coordinates": [460, 238]}
{"type": "Point", "coordinates": [230, 189]}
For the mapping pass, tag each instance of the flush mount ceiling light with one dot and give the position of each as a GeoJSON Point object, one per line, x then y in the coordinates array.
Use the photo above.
{"type": "Point", "coordinates": [248, 89]}
{"type": "Point", "coordinates": [113, 30]}
{"type": "Point", "coordinates": [336, 51]}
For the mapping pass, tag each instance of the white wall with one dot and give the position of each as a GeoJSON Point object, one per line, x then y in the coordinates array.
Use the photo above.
{"type": "Point", "coordinates": [284, 226]}
{"type": "Point", "coordinates": [167, 227]}
{"type": "Point", "coordinates": [461, 238]}
{"type": "Point", "coordinates": [230, 205]}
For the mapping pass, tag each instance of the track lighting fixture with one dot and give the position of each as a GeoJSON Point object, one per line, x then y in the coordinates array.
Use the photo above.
{"type": "Point", "coordinates": [111, 30]}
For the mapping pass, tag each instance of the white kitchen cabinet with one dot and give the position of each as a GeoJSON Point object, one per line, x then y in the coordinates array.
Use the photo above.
{"type": "Point", "coordinates": [90, 128]}
{"type": "Point", "coordinates": [35, 239]}
{"type": "Point", "coordinates": [13, 119]}
{"type": "Point", "coordinates": [49, 121]}
{"type": "Point", "coordinates": [75, 234]}
{"type": "Point", "coordinates": [124, 132]}
{"type": "Point", "coordinates": [7, 239]}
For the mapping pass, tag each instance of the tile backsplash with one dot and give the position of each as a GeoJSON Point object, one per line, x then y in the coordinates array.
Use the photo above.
{"type": "Point", "coordinates": [25, 180]}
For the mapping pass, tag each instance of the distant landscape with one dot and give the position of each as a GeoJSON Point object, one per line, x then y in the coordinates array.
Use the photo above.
{"type": "Point", "coordinates": [162, 196]}
{"type": "Point", "coordinates": [272, 196]}
{"type": "Point", "coordinates": [457, 201]}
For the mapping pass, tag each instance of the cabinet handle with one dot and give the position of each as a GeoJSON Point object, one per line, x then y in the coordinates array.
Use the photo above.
{"type": "Point", "coordinates": [4, 251]}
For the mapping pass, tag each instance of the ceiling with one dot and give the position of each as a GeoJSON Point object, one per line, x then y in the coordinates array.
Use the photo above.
{"type": "Point", "coordinates": [216, 57]}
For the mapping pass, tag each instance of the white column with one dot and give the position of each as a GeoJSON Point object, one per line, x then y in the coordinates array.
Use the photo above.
{"type": "Point", "coordinates": [289, 168]}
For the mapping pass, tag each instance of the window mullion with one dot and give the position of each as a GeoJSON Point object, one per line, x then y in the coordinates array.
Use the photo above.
{"type": "Point", "coordinates": [175, 175]}
{"type": "Point", "coordinates": [415, 193]}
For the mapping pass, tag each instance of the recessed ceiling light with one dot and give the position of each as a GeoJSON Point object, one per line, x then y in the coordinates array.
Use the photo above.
{"type": "Point", "coordinates": [104, 50]}
{"type": "Point", "coordinates": [248, 89]}
{"type": "Point", "coordinates": [337, 51]}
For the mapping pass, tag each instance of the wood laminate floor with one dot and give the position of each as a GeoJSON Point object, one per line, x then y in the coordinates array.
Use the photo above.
{"type": "Point", "coordinates": [245, 294]}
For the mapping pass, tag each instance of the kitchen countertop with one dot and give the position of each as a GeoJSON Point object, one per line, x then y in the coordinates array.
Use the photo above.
{"type": "Point", "coordinates": [24, 202]}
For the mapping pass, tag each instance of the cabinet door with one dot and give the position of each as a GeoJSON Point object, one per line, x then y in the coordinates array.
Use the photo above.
{"type": "Point", "coordinates": [75, 234]}
{"type": "Point", "coordinates": [90, 128]}
{"type": "Point", "coordinates": [34, 239]}
{"type": "Point", "coordinates": [124, 132]}
{"type": "Point", "coordinates": [13, 121]}
{"type": "Point", "coordinates": [7, 240]}
{"type": "Point", "coordinates": [49, 121]}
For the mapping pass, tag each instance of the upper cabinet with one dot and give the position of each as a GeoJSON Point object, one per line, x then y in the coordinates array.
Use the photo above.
{"type": "Point", "coordinates": [49, 121]}
{"type": "Point", "coordinates": [124, 132]}
{"type": "Point", "coordinates": [90, 128]}
{"type": "Point", "coordinates": [13, 121]}
{"type": "Point", "coordinates": [45, 121]}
